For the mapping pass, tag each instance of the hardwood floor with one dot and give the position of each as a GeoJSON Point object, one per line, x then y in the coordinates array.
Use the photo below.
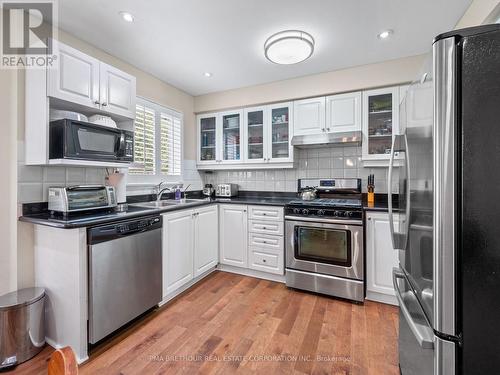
{"type": "Point", "coordinates": [237, 324]}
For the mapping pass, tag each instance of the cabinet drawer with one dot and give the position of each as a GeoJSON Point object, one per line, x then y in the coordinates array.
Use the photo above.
{"type": "Point", "coordinates": [266, 227]}
{"type": "Point", "coordinates": [265, 212]}
{"type": "Point", "coordinates": [261, 260]}
{"type": "Point", "coordinates": [266, 241]}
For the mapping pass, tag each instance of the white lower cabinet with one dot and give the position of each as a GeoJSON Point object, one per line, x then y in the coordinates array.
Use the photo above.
{"type": "Point", "coordinates": [380, 258]}
{"type": "Point", "coordinates": [233, 235]}
{"type": "Point", "coordinates": [206, 239]}
{"type": "Point", "coordinates": [251, 237]}
{"type": "Point", "coordinates": [190, 246]}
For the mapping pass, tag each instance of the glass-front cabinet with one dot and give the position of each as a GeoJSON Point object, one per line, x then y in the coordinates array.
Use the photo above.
{"type": "Point", "coordinates": [380, 124]}
{"type": "Point", "coordinates": [231, 136]}
{"type": "Point", "coordinates": [280, 148]}
{"type": "Point", "coordinates": [256, 125]}
{"type": "Point", "coordinates": [207, 138]}
{"type": "Point", "coordinates": [257, 137]}
{"type": "Point", "coordinates": [268, 134]}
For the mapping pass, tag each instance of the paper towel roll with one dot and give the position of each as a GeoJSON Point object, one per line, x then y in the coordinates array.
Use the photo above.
{"type": "Point", "coordinates": [118, 179]}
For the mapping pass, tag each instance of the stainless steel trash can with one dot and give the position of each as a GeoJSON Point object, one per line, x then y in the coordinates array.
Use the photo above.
{"type": "Point", "coordinates": [22, 333]}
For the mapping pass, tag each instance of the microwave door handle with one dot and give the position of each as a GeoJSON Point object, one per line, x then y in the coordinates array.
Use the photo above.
{"type": "Point", "coordinates": [85, 187]}
{"type": "Point", "coordinates": [425, 338]}
{"type": "Point", "coordinates": [121, 145]}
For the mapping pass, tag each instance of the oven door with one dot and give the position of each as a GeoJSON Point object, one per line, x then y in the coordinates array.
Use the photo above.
{"type": "Point", "coordinates": [94, 142]}
{"type": "Point", "coordinates": [330, 247]}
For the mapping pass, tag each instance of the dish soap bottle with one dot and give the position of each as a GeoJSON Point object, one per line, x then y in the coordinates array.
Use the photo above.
{"type": "Point", "coordinates": [178, 194]}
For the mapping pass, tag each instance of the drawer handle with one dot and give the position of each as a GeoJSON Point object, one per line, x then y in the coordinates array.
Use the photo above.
{"type": "Point", "coordinates": [264, 260]}
{"type": "Point", "coordinates": [264, 228]}
{"type": "Point", "coordinates": [264, 241]}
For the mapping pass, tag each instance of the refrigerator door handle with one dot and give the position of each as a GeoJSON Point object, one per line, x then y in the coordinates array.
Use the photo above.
{"type": "Point", "coordinates": [389, 194]}
{"type": "Point", "coordinates": [425, 338]}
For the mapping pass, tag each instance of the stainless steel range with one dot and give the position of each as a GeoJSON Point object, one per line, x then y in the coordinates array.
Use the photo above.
{"type": "Point", "coordinates": [324, 239]}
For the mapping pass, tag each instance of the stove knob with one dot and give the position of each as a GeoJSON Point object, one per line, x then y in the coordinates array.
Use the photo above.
{"type": "Point", "coordinates": [349, 214]}
{"type": "Point", "coordinates": [321, 212]}
{"type": "Point", "coordinates": [305, 211]}
{"type": "Point", "coordinates": [342, 213]}
{"type": "Point", "coordinates": [336, 213]}
{"type": "Point", "coordinates": [296, 211]}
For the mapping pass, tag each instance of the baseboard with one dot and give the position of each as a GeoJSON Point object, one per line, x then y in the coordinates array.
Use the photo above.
{"type": "Point", "coordinates": [252, 273]}
{"type": "Point", "coordinates": [57, 346]}
{"type": "Point", "coordinates": [383, 298]}
{"type": "Point", "coordinates": [186, 286]}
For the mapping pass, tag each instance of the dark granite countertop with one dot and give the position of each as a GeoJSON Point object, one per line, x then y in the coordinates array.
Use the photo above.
{"type": "Point", "coordinates": [134, 210]}
{"type": "Point", "coordinates": [43, 217]}
{"type": "Point", "coordinates": [380, 203]}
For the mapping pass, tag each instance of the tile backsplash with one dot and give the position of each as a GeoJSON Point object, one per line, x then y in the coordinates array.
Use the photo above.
{"type": "Point", "coordinates": [33, 182]}
{"type": "Point", "coordinates": [325, 162]}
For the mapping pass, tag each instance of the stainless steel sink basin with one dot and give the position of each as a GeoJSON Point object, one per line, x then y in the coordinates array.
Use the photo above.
{"type": "Point", "coordinates": [166, 203]}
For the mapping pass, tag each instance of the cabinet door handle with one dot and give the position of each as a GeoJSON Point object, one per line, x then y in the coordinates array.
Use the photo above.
{"type": "Point", "coordinates": [369, 218]}
{"type": "Point", "coordinates": [104, 104]}
{"type": "Point", "coordinates": [328, 129]}
{"type": "Point", "coordinates": [264, 260]}
{"type": "Point", "coordinates": [97, 102]}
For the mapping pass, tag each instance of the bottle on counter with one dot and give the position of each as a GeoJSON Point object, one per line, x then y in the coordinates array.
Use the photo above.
{"type": "Point", "coordinates": [178, 194]}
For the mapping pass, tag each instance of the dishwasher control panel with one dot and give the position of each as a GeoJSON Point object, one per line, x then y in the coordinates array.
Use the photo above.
{"type": "Point", "coordinates": [107, 232]}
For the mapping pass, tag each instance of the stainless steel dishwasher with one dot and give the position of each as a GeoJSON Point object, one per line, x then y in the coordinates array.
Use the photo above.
{"type": "Point", "coordinates": [125, 273]}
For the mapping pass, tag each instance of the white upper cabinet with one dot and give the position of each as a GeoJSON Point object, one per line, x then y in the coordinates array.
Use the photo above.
{"type": "Point", "coordinates": [279, 134]}
{"type": "Point", "coordinates": [80, 79]}
{"type": "Point", "coordinates": [117, 91]}
{"type": "Point", "coordinates": [309, 116]}
{"type": "Point", "coordinates": [208, 130]}
{"type": "Point", "coordinates": [251, 138]}
{"type": "Point", "coordinates": [230, 136]}
{"type": "Point", "coordinates": [74, 77]}
{"type": "Point", "coordinates": [343, 112]}
{"type": "Point", "coordinates": [380, 124]}
{"type": "Point", "coordinates": [256, 122]}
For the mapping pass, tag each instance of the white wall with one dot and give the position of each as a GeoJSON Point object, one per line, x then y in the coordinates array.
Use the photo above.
{"type": "Point", "coordinates": [479, 12]}
{"type": "Point", "coordinates": [8, 156]}
{"type": "Point", "coordinates": [386, 73]}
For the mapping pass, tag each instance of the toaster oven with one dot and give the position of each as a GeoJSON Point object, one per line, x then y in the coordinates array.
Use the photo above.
{"type": "Point", "coordinates": [81, 198]}
{"type": "Point", "coordinates": [226, 190]}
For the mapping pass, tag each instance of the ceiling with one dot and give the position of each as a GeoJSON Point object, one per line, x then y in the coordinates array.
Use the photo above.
{"type": "Point", "coordinates": [178, 41]}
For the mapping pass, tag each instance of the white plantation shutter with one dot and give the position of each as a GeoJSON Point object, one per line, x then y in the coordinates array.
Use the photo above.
{"type": "Point", "coordinates": [158, 140]}
{"type": "Point", "coordinates": [144, 141]}
{"type": "Point", "coordinates": [170, 158]}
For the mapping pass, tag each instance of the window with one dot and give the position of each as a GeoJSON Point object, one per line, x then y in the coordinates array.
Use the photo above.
{"type": "Point", "coordinates": [157, 141]}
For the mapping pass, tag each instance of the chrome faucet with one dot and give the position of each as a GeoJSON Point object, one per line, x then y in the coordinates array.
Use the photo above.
{"type": "Point", "coordinates": [161, 191]}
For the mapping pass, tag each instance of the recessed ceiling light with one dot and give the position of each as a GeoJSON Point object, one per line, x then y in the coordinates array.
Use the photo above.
{"type": "Point", "coordinates": [385, 34]}
{"type": "Point", "coordinates": [289, 47]}
{"type": "Point", "coordinates": [127, 16]}
{"type": "Point", "coordinates": [207, 74]}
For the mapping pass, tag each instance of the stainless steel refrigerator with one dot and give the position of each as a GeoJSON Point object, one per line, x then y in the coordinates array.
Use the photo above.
{"type": "Point", "coordinates": [446, 224]}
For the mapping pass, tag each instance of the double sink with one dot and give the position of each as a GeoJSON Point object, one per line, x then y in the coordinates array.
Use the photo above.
{"type": "Point", "coordinates": [167, 203]}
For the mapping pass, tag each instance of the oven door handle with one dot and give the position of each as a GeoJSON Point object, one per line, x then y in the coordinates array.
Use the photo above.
{"type": "Point", "coordinates": [424, 336]}
{"type": "Point", "coordinates": [326, 221]}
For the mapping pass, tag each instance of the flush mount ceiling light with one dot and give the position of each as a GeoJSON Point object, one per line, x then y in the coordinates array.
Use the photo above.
{"type": "Point", "coordinates": [289, 47]}
{"type": "Point", "coordinates": [385, 34]}
{"type": "Point", "coordinates": [127, 16]}
{"type": "Point", "coordinates": [207, 74]}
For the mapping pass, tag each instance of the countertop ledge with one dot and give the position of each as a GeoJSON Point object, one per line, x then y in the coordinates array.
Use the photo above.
{"type": "Point", "coordinates": [45, 218]}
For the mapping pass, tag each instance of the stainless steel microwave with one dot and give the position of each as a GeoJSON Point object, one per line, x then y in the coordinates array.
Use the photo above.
{"type": "Point", "coordinates": [71, 139]}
